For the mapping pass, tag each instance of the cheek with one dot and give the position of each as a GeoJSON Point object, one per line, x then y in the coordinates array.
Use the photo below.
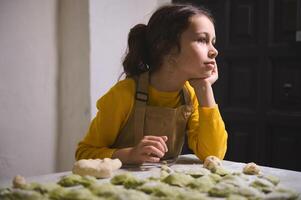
{"type": "Point", "coordinates": [196, 61]}
{"type": "Point", "coordinates": [201, 54]}
{"type": "Point", "coordinates": [192, 58]}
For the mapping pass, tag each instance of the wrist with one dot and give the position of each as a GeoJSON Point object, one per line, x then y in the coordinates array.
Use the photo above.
{"type": "Point", "coordinates": [205, 97]}
{"type": "Point", "coordinates": [202, 88]}
{"type": "Point", "coordinates": [124, 155]}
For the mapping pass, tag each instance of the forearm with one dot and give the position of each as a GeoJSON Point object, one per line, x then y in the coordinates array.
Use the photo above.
{"type": "Point", "coordinates": [209, 136]}
{"type": "Point", "coordinates": [205, 95]}
{"type": "Point", "coordinates": [86, 151]}
{"type": "Point", "coordinates": [123, 155]}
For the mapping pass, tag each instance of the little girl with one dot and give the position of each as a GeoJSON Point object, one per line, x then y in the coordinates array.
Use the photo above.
{"type": "Point", "coordinates": [170, 67]}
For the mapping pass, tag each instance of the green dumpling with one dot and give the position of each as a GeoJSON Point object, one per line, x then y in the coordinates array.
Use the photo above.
{"type": "Point", "coordinates": [282, 193]}
{"type": "Point", "coordinates": [198, 173]}
{"type": "Point", "coordinates": [57, 193]}
{"type": "Point", "coordinates": [128, 180]}
{"type": "Point", "coordinates": [215, 177]}
{"type": "Point", "coordinates": [178, 179]}
{"type": "Point", "coordinates": [273, 179]}
{"type": "Point", "coordinates": [234, 180]}
{"type": "Point", "coordinates": [79, 194]}
{"type": "Point", "coordinates": [164, 172]}
{"type": "Point", "coordinates": [70, 180]}
{"type": "Point", "coordinates": [113, 192]}
{"type": "Point", "coordinates": [241, 175]}
{"type": "Point", "coordinates": [236, 197]}
{"type": "Point", "coordinates": [19, 194]}
{"type": "Point", "coordinates": [223, 190]}
{"type": "Point", "coordinates": [105, 190]}
{"type": "Point", "coordinates": [192, 195]}
{"type": "Point", "coordinates": [263, 185]}
{"type": "Point", "coordinates": [39, 187]}
{"type": "Point", "coordinates": [220, 171]}
{"type": "Point", "coordinates": [43, 188]}
{"type": "Point", "coordinates": [159, 189]}
{"type": "Point", "coordinates": [74, 179]}
{"type": "Point", "coordinates": [202, 184]}
{"type": "Point", "coordinates": [132, 194]}
{"type": "Point", "coordinates": [250, 192]}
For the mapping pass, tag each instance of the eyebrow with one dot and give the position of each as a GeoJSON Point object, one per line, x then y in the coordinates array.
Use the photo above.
{"type": "Point", "coordinates": [207, 35]}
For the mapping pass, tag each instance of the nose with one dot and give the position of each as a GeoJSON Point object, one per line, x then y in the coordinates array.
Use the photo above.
{"type": "Point", "coordinates": [212, 53]}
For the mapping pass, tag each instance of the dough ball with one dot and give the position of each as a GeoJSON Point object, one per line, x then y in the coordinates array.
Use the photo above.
{"type": "Point", "coordinates": [212, 162]}
{"type": "Point", "coordinates": [96, 167]}
{"type": "Point", "coordinates": [251, 168]}
{"type": "Point", "coordinates": [19, 182]}
{"type": "Point", "coordinates": [115, 163]}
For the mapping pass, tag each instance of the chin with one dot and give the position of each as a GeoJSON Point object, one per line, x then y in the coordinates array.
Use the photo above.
{"type": "Point", "coordinates": [206, 75]}
{"type": "Point", "coordinates": [203, 76]}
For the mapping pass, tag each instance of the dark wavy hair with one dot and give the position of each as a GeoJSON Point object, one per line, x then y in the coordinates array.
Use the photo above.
{"type": "Point", "coordinates": [149, 44]}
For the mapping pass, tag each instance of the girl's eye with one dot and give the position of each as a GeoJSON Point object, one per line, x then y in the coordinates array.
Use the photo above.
{"type": "Point", "coordinates": [202, 40]}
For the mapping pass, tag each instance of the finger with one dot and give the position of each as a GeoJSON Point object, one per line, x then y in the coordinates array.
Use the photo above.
{"type": "Point", "coordinates": [151, 150]}
{"type": "Point", "coordinates": [150, 159]}
{"type": "Point", "coordinates": [157, 138]}
{"type": "Point", "coordinates": [165, 138]}
{"type": "Point", "coordinates": [154, 143]}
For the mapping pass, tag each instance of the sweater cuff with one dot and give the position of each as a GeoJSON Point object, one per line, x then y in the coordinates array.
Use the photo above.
{"type": "Point", "coordinates": [108, 152]}
{"type": "Point", "coordinates": [208, 113]}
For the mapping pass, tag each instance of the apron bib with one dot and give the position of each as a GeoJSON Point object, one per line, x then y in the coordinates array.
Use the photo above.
{"type": "Point", "coordinates": [154, 120]}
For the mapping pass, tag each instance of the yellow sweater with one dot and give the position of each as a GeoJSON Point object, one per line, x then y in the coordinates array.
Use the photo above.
{"type": "Point", "coordinates": [205, 129]}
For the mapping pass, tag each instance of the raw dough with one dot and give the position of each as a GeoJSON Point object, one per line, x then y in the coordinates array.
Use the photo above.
{"type": "Point", "coordinates": [212, 162]}
{"type": "Point", "coordinates": [19, 182]}
{"type": "Point", "coordinates": [251, 168]}
{"type": "Point", "coordinates": [96, 167]}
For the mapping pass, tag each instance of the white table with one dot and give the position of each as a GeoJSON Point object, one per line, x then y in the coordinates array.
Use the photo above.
{"type": "Point", "coordinates": [288, 178]}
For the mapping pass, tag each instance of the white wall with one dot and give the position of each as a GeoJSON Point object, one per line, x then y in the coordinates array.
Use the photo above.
{"type": "Point", "coordinates": [45, 75]}
{"type": "Point", "coordinates": [74, 79]}
{"type": "Point", "coordinates": [110, 22]}
{"type": "Point", "coordinates": [28, 82]}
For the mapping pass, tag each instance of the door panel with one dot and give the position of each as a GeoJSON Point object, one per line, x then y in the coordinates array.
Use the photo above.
{"type": "Point", "coordinates": [259, 86]}
{"type": "Point", "coordinates": [285, 85]}
{"type": "Point", "coordinates": [243, 22]}
{"type": "Point", "coordinates": [283, 145]}
{"type": "Point", "coordinates": [283, 19]}
{"type": "Point", "coordinates": [243, 136]}
{"type": "Point", "coordinates": [242, 84]}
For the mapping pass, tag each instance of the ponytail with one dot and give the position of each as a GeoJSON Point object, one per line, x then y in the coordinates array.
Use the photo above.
{"type": "Point", "coordinates": [135, 60]}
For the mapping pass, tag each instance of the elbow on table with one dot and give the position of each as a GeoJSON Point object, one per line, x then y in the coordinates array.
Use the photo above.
{"type": "Point", "coordinates": [82, 152]}
{"type": "Point", "coordinates": [78, 154]}
{"type": "Point", "coordinates": [220, 153]}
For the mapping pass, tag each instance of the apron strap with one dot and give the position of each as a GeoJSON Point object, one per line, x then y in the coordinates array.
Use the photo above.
{"type": "Point", "coordinates": [141, 98]}
{"type": "Point", "coordinates": [186, 94]}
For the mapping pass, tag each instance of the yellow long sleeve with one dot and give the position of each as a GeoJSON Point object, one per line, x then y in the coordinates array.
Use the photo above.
{"type": "Point", "coordinates": [206, 130]}
{"type": "Point", "coordinates": [113, 111]}
{"type": "Point", "coordinates": [207, 134]}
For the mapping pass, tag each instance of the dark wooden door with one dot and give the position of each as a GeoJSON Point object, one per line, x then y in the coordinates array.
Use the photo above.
{"type": "Point", "coordinates": [259, 89]}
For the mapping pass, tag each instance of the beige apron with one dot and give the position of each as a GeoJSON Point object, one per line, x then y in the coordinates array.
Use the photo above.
{"type": "Point", "coordinates": [153, 120]}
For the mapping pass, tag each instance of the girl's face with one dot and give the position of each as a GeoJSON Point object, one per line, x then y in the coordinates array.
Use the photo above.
{"type": "Point", "coordinates": [197, 56]}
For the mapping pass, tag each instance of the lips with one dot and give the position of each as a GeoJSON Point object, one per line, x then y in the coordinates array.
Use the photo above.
{"type": "Point", "coordinates": [210, 62]}
{"type": "Point", "coordinates": [210, 65]}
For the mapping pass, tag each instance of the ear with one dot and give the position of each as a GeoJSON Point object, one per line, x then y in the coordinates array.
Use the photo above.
{"type": "Point", "coordinates": [171, 58]}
